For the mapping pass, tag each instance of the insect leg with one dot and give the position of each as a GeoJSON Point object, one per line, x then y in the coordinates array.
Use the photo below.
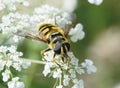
{"type": "Point", "coordinates": [55, 60]}
{"type": "Point", "coordinates": [68, 60]}
{"type": "Point", "coordinates": [43, 51]}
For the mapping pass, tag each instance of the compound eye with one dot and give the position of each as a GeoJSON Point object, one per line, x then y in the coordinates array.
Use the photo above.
{"type": "Point", "coordinates": [57, 48]}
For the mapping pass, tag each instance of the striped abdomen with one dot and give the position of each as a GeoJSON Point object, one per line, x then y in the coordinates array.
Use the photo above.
{"type": "Point", "coordinates": [61, 45]}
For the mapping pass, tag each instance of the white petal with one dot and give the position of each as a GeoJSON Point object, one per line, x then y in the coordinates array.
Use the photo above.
{"type": "Point", "coordinates": [96, 2]}
{"type": "Point", "coordinates": [6, 75]}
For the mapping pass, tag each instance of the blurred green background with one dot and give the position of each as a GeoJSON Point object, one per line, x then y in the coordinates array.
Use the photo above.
{"type": "Point", "coordinates": [101, 44]}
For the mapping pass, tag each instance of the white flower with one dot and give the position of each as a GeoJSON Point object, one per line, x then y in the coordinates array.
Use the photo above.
{"type": "Point", "coordinates": [60, 86]}
{"type": "Point", "coordinates": [69, 5]}
{"type": "Point", "coordinates": [6, 75]}
{"type": "Point", "coordinates": [26, 3]}
{"type": "Point", "coordinates": [2, 64]}
{"type": "Point", "coordinates": [17, 66]}
{"type": "Point", "coordinates": [15, 83]}
{"type": "Point", "coordinates": [89, 65]}
{"type": "Point", "coordinates": [25, 64]}
{"type": "Point", "coordinates": [49, 14]}
{"type": "Point", "coordinates": [3, 49]}
{"type": "Point", "coordinates": [72, 73]}
{"type": "Point", "coordinates": [77, 33]}
{"type": "Point", "coordinates": [12, 49]}
{"type": "Point", "coordinates": [11, 4]}
{"type": "Point", "coordinates": [16, 38]}
{"type": "Point", "coordinates": [79, 70]}
{"type": "Point", "coordinates": [49, 55]}
{"type": "Point", "coordinates": [47, 70]}
{"type": "Point", "coordinates": [2, 6]}
{"type": "Point", "coordinates": [13, 22]}
{"type": "Point", "coordinates": [78, 83]}
{"type": "Point", "coordinates": [57, 73]}
{"type": "Point", "coordinates": [74, 60]}
{"type": "Point", "coordinates": [96, 2]}
{"type": "Point", "coordinates": [64, 20]}
{"type": "Point", "coordinates": [8, 63]}
{"type": "Point", "coordinates": [10, 57]}
{"type": "Point", "coordinates": [66, 80]}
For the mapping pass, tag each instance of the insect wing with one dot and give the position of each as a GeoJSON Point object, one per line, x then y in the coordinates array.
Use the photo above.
{"type": "Point", "coordinates": [31, 34]}
{"type": "Point", "coordinates": [70, 25]}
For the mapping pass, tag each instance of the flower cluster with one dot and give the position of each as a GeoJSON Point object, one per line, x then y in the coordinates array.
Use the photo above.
{"type": "Point", "coordinates": [49, 14]}
{"type": "Point", "coordinates": [67, 73]}
{"type": "Point", "coordinates": [44, 14]}
{"type": "Point", "coordinates": [14, 21]}
{"type": "Point", "coordinates": [11, 4]}
{"type": "Point", "coordinates": [9, 57]}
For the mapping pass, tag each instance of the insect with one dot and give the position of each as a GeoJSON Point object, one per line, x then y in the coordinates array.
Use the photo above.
{"type": "Point", "coordinates": [54, 37]}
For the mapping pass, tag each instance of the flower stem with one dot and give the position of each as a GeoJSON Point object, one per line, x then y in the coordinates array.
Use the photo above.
{"type": "Point", "coordinates": [34, 61]}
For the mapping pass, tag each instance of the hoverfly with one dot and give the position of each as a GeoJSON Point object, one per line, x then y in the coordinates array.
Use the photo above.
{"type": "Point", "coordinates": [54, 36]}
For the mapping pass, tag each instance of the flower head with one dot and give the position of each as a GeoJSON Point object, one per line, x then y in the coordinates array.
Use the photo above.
{"type": "Point", "coordinates": [78, 83]}
{"type": "Point", "coordinates": [58, 71]}
{"type": "Point", "coordinates": [88, 64]}
{"type": "Point", "coordinates": [15, 83]}
{"type": "Point", "coordinates": [77, 33]}
{"type": "Point", "coordinates": [66, 80]}
{"type": "Point", "coordinates": [11, 4]}
{"type": "Point", "coordinates": [11, 58]}
{"type": "Point", "coordinates": [49, 14]}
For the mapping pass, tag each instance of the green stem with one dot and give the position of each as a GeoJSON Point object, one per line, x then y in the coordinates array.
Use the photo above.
{"type": "Point", "coordinates": [55, 83]}
{"type": "Point", "coordinates": [60, 79]}
{"type": "Point", "coordinates": [34, 61]}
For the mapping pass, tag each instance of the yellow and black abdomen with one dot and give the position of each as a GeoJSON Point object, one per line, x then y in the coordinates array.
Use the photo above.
{"type": "Point", "coordinates": [60, 43]}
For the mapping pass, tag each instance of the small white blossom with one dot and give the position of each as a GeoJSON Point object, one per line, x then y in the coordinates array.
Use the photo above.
{"type": "Point", "coordinates": [69, 5]}
{"type": "Point", "coordinates": [49, 55]}
{"type": "Point", "coordinates": [66, 80]}
{"type": "Point", "coordinates": [72, 73]}
{"type": "Point", "coordinates": [3, 49]}
{"type": "Point", "coordinates": [17, 66]}
{"type": "Point", "coordinates": [25, 64]}
{"type": "Point", "coordinates": [12, 49]}
{"type": "Point", "coordinates": [57, 73]}
{"type": "Point", "coordinates": [77, 33]}
{"type": "Point", "coordinates": [26, 3]}
{"type": "Point", "coordinates": [60, 86]}
{"type": "Point", "coordinates": [89, 65]}
{"type": "Point", "coordinates": [16, 38]}
{"type": "Point", "coordinates": [74, 60]}
{"type": "Point", "coordinates": [8, 63]}
{"type": "Point", "coordinates": [2, 64]}
{"type": "Point", "coordinates": [6, 75]}
{"type": "Point", "coordinates": [47, 70]}
{"type": "Point", "coordinates": [11, 4]}
{"type": "Point", "coordinates": [96, 2]}
{"type": "Point", "coordinates": [15, 83]}
{"type": "Point", "coordinates": [79, 70]}
{"type": "Point", "coordinates": [78, 83]}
